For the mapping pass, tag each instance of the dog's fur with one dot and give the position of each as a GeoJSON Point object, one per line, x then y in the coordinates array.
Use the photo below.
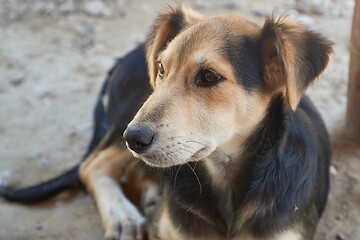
{"type": "Point", "coordinates": [235, 151]}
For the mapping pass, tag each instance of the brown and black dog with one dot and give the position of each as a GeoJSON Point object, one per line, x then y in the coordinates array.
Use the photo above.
{"type": "Point", "coordinates": [229, 147]}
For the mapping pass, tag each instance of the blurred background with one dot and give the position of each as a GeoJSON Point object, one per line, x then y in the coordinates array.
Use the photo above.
{"type": "Point", "coordinates": [54, 55]}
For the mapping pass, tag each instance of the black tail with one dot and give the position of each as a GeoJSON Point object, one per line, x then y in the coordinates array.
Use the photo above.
{"type": "Point", "coordinates": [42, 191]}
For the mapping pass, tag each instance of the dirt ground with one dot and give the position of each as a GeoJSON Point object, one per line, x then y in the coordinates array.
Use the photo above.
{"type": "Point", "coordinates": [54, 54]}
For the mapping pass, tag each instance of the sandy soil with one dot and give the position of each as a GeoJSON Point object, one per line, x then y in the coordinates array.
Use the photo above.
{"type": "Point", "coordinates": [54, 56]}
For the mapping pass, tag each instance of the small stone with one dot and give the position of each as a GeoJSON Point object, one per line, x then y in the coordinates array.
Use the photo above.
{"type": "Point", "coordinates": [333, 170]}
{"type": "Point", "coordinates": [97, 8]}
{"type": "Point", "coordinates": [36, 154]}
{"type": "Point", "coordinates": [67, 6]}
{"type": "Point", "coordinates": [341, 236]}
{"type": "Point", "coordinates": [5, 177]}
{"type": "Point", "coordinates": [17, 81]}
{"type": "Point", "coordinates": [43, 92]}
{"type": "Point", "coordinates": [339, 217]}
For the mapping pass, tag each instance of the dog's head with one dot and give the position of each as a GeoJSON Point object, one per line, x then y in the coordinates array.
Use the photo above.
{"type": "Point", "coordinates": [213, 79]}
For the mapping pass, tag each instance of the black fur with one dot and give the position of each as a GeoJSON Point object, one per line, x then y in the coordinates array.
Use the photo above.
{"type": "Point", "coordinates": [244, 53]}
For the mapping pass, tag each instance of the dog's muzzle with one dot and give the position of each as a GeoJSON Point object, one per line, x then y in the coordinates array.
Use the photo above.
{"type": "Point", "coordinates": [138, 137]}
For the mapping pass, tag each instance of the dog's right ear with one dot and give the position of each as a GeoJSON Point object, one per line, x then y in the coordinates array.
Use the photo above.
{"type": "Point", "coordinates": [294, 56]}
{"type": "Point", "coordinates": [165, 29]}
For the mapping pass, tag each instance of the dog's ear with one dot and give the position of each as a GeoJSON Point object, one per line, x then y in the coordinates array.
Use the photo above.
{"type": "Point", "coordinates": [294, 57]}
{"type": "Point", "coordinates": [165, 29]}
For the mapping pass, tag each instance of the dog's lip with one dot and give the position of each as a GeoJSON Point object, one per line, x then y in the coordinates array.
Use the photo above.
{"type": "Point", "coordinates": [195, 156]}
{"type": "Point", "coordinates": [153, 162]}
{"type": "Point", "coordinates": [150, 163]}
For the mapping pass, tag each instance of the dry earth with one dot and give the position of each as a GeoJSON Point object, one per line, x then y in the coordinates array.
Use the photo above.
{"type": "Point", "coordinates": [54, 54]}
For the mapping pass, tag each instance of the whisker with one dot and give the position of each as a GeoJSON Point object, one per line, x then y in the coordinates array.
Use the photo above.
{"type": "Point", "coordinates": [177, 172]}
{"type": "Point", "coordinates": [196, 176]}
{"type": "Point", "coordinates": [192, 170]}
{"type": "Point", "coordinates": [195, 165]}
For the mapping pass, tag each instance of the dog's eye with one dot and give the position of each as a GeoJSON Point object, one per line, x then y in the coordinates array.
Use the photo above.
{"type": "Point", "coordinates": [161, 70]}
{"type": "Point", "coordinates": [207, 78]}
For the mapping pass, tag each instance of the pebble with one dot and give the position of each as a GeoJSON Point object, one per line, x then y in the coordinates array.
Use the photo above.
{"type": "Point", "coordinates": [339, 217]}
{"type": "Point", "coordinates": [333, 170]}
{"type": "Point", "coordinates": [17, 81]}
{"type": "Point", "coordinates": [5, 177]}
{"type": "Point", "coordinates": [43, 92]}
{"type": "Point", "coordinates": [341, 236]}
{"type": "Point", "coordinates": [36, 154]}
{"type": "Point", "coordinates": [97, 8]}
{"type": "Point", "coordinates": [68, 6]}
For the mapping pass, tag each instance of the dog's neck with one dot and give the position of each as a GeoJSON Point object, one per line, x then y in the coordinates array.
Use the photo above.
{"type": "Point", "coordinates": [226, 162]}
{"type": "Point", "coordinates": [226, 168]}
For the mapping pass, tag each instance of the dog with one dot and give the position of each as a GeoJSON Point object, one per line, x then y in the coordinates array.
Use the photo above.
{"type": "Point", "coordinates": [207, 128]}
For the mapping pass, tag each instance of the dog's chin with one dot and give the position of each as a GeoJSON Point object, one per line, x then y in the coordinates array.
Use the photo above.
{"type": "Point", "coordinates": [161, 161]}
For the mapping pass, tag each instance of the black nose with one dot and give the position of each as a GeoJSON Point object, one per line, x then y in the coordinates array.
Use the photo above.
{"type": "Point", "coordinates": [138, 137]}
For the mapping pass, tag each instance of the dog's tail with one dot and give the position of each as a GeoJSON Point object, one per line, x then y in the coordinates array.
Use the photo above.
{"type": "Point", "coordinates": [42, 191]}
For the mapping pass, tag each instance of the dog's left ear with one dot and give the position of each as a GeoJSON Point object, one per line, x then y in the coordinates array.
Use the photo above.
{"type": "Point", "coordinates": [165, 29]}
{"type": "Point", "coordinates": [294, 57]}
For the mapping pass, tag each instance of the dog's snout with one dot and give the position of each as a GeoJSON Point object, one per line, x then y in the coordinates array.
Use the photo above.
{"type": "Point", "coordinates": [138, 137]}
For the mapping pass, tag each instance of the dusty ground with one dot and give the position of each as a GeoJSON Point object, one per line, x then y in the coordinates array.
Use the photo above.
{"type": "Point", "coordinates": [54, 56]}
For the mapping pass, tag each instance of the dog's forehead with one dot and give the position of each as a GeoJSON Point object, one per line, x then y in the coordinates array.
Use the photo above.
{"type": "Point", "coordinates": [231, 37]}
{"type": "Point", "coordinates": [211, 34]}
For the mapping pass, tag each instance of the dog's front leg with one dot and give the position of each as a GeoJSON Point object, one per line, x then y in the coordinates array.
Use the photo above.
{"type": "Point", "coordinates": [101, 173]}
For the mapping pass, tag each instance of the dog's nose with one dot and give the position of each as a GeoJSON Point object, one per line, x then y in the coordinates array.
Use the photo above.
{"type": "Point", "coordinates": [138, 137]}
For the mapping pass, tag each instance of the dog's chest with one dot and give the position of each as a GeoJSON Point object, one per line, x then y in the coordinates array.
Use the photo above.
{"type": "Point", "coordinates": [167, 230]}
{"type": "Point", "coordinates": [199, 199]}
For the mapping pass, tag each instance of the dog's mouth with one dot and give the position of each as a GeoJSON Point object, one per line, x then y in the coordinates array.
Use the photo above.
{"type": "Point", "coordinates": [160, 158]}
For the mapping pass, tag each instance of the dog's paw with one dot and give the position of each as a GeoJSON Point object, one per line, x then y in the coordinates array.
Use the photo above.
{"type": "Point", "coordinates": [125, 223]}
